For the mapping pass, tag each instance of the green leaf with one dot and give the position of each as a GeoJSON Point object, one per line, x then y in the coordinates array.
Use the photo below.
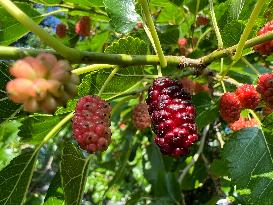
{"type": "Point", "coordinates": [125, 79]}
{"type": "Point", "coordinates": [232, 32]}
{"type": "Point", "coordinates": [7, 108]}
{"type": "Point", "coordinates": [250, 164]}
{"type": "Point", "coordinates": [35, 128]}
{"type": "Point", "coordinates": [122, 13]}
{"type": "Point", "coordinates": [8, 135]}
{"type": "Point", "coordinates": [16, 177]}
{"type": "Point", "coordinates": [10, 29]}
{"type": "Point", "coordinates": [71, 104]}
{"type": "Point", "coordinates": [74, 171]}
{"type": "Point", "coordinates": [54, 195]}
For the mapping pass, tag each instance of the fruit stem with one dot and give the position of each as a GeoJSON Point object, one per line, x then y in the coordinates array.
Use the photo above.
{"type": "Point", "coordinates": [26, 21]}
{"type": "Point", "coordinates": [56, 129]}
{"type": "Point", "coordinates": [91, 68]}
{"type": "Point", "coordinates": [196, 156]}
{"type": "Point", "coordinates": [251, 66]}
{"type": "Point", "coordinates": [112, 74]}
{"type": "Point", "coordinates": [151, 26]}
{"type": "Point", "coordinates": [247, 30]}
{"type": "Point", "coordinates": [215, 25]}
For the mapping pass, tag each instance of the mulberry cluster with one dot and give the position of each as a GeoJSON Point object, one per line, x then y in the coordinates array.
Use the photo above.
{"type": "Point", "coordinates": [42, 83]}
{"type": "Point", "coordinates": [83, 26]}
{"type": "Point", "coordinates": [173, 117]}
{"type": "Point", "coordinates": [265, 48]}
{"type": "Point", "coordinates": [243, 123]}
{"type": "Point", "coordinates": [61, 30]}
{"type": "Point", "coordinates": [265, 88]}
{"type": "Point", "coordinates": [141, 117]}
{"type": "Point", "coordinates": [91, 124]}
{"type": "Point", "coordinates": [245, 97]}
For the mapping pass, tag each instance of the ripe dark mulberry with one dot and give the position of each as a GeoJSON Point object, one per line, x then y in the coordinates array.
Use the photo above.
{"type": "Point", "coordinates": [141, 117]}
{"type": "Point", "coordinates": [173, 116]}
{"type": "Point", "coordinates": [83, 26]}
{"type": "Point", "coordinates": [265, 48]}
{"type": "Point", "coordinates": [265, 88]}
{"type": "Point", "coordinates": [248, 96]}
{"type": "Point", "coordinates": [230, 107]}
{"type": "Point", "coordinates": [91, 124]}
{"type": "Point", "coordinates": [61, 30]}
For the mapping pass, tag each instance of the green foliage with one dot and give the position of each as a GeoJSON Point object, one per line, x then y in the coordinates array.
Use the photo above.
{"type": "Point", "coordinates": [15, 178]}
{"type": "Point", "coordinates": [253, 175]}
{"type": "Point", "coordinates": [133, 170]}
{"type": "Point", "coordinates": [7, 108]}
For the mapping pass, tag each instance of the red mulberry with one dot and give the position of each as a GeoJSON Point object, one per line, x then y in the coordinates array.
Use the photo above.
{"type": "Point", "coordinates": [265, 48]}
{"type": "Point", "coordinates": [230, 107]}
{"type": "Point", "coordinates": [248, 96]}
{"type": "Point", "coordinates": [243, 123]}
{"type": "Point", "coordinates": [91, 124]}
{"type": "Point", "coordinates": [173, 116]}
{"type": "Point", "coordinates": [83, 26]}
{"type": "Point", "coordinates": [141, 117]}
{"type": "Point", "coordinates": [61, 30]}
{"type": "Point", "coordinates": [265, 88]}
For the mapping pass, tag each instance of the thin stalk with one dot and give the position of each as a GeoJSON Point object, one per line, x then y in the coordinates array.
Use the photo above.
{"type": "Point", "coordinates": [248, 29]}
{"type": "Point", "coordinates": [56, 129]}
{"type": "Point", "coordinates": [201, 38]}
{"type": "Point", "coordinates": [14, 53]}
{"type": "Point", "coordinates": [215, 25]}
{"type": "Point", "coordinates": [91, 68]}
{"type": "Point", "coordinates": [152, 29]}
{"type": "Point", "coordinates": [116, 69]}
{"type": "Point", "coordinates": [26, 21]}
{"type": "Point", "coordinates": [54, 12]}
{"type": "Point", "coordinates": [255, 116]}
{"type": "Point", "coordinates": [196, 156]}
{"type": "Point", "coordinates": [251, 66]}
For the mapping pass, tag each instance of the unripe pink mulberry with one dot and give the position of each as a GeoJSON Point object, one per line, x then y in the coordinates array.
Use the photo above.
{"type": "Point", "coordinates": [91, 124]}
{"type": "Point", "coordinates": [265, 48]}
{"type": "Point", "coordinates": [230, 107]}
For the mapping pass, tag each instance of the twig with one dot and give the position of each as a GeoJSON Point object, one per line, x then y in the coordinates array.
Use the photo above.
{"type": "Point", "coordinates": [196, 156]}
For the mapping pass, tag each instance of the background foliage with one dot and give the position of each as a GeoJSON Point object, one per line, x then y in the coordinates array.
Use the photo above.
{"type": "Point", "coordinates": [132, 170]}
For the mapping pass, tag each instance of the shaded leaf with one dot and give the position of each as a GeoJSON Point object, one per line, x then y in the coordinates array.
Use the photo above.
{"type": "Point", "coordinates": [74, 170]}
{"type": "Point", "coordinates": [250, 164]}
{"type": "Point", "coordinates": [54, 195]}
{"type": "Point", "coordinates": [15, 178]}
{"type": "Point", "coordinates": [35, 128]}
{"type": "Point", "coordinates": [7, 108]}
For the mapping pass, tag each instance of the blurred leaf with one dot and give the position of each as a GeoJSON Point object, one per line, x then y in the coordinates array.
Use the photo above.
{"type": "Point", "coordinates": [219, 168]}
{"type": "Point", "coordinates": [122, 13]}
{"type": "Point", "coordinates": [168, 34]}
{"type": "Point", "coordinates": [15, 178]}
{"type": "Point", "coordinates": [94, 44]}
{"type": "Point", "coordinates": [54, 195]}
{"type": "Point", "coordinates": [74, 171]}
{"type": "Point", "coordinates": [35, 128]}
{"type": "Point", "coordinates": [125, 79]}
{"type": "Point", "coordinates": [7, 108]}
{"type": "Point", "coordinates": [10, 29]}
{"type": "Point", "coordinates": [232, 32]}
{"type": "Point", "coordinates": [71, 104]}
{"type": "Point", "coordinates": [250, 164]}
